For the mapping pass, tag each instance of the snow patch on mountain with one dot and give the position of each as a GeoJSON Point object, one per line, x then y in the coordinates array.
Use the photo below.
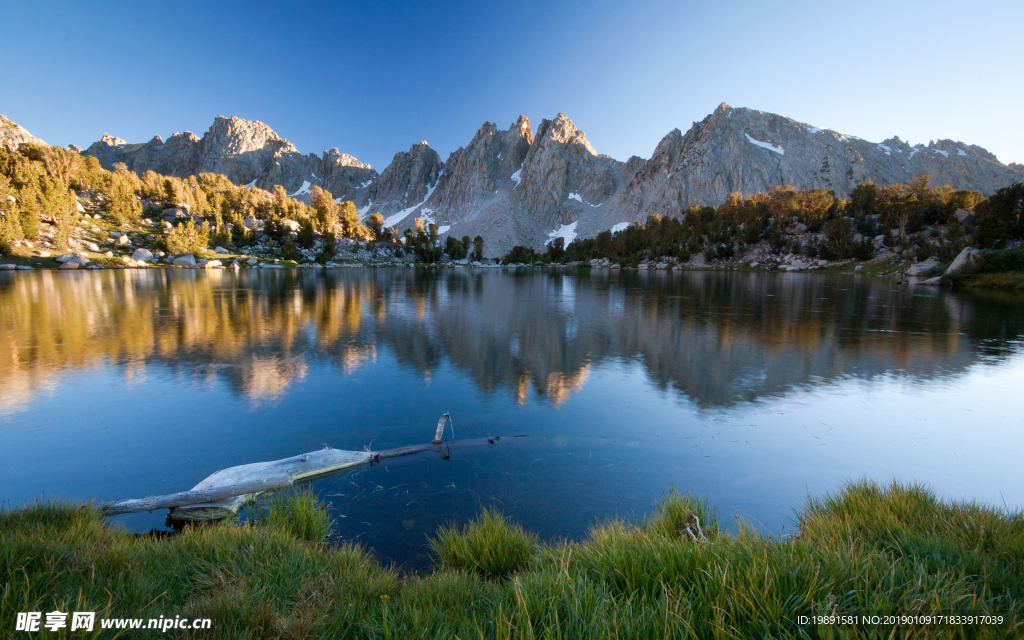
{"type": "Point", "coordinates": [567, 232]}
{"type": "Point", "coordinates": [401, 215]}
{"type": "Point", "coordinates": [765, 145]}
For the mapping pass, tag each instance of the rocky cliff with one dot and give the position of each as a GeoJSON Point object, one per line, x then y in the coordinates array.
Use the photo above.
{"type": "Point", "coordinates": [13, 135]}
{"type": "Point", "coordinates": [247, 152]}
{"type": "Point", "coordinates": [517, 187]}
{"type": "Point", "coordinates": [404, 185]}
{"type": "Point", "coordinates": [750, 151]}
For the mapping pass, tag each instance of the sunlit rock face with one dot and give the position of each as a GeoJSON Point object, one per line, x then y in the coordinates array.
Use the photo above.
{"type": "Point", "coordinates": [248, 152]}
{"type": "Point", "coordinates": [751, 151]}
{"type": "Point", "coordinates": [13, 135]}
{"type": "Point", "coordinates": [712, 338]}
{"type": "Point", "coordinates": [516, 186]}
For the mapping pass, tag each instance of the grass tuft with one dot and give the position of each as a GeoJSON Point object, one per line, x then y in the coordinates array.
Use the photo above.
{"type": "Point", "coordinates": [297, 512]}
{"type": "Point", "coordinates": [490, 546]}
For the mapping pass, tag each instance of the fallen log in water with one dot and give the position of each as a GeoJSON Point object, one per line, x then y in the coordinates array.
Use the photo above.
{"type": "Point", "coordinates": [223, 493]}
{"type": "Point", "coordinates": [195, 496]}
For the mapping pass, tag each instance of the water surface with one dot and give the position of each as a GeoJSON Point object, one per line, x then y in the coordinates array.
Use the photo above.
{"type": "Point", "coordinates": [753, 390]}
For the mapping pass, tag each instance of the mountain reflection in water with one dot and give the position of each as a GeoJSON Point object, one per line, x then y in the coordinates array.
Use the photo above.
{"type": "Point", "coordinates": [716, 338]}
{"type": "Point", "coordinates": [343, 356]}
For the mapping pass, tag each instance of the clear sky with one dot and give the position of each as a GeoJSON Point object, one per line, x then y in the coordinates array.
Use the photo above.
{"type": "Point", "coordinates": [374, 78]}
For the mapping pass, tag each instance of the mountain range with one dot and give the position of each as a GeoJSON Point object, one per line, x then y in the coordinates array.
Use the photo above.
{"type": "Point", "coordinates": [520, 186]}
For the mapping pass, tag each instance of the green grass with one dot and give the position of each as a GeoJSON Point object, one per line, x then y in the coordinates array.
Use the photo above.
{"type": "Point", "coordinates": [1002, 281]}
{"type": "Point", "coordinates": [867, 550]}
{"type": "Point", "coordinates": [491, 547]}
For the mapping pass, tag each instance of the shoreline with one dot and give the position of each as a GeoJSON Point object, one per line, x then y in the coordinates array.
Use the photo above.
{"type": "Point", "coordinates": [867, 550]}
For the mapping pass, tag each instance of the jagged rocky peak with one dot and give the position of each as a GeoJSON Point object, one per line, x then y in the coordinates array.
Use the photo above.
{"type": "Point", "coordinates": [562, 171]}
{"type": "Point", "coordinates": [234, 135]}
{"type": "Point", "coordinates": [474, 173]}
{"type": "Point", "coordinates": [13, 135]}
{"type": "Point", "coordinates": [408, 180]}
{"type": "Point", "coordinates": [111, 141]}
{"type": "Point", "coordinates": [335, 157]}
{"type": "Point", "coordinates": [738, 149]}
{"type": "Point", "coordinates": [246, 151]}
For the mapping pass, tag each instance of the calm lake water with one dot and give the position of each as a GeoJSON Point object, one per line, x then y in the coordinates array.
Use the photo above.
{"type": "Point", "coordinates": [752, 390]}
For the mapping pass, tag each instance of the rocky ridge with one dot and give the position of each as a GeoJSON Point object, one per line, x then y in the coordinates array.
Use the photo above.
{"type": "Point", "coordinates": [13, 135]}
{"type": "Point", "coordinates": [248, 152]}
{"type": "Point", "coordinates": [519, 187]}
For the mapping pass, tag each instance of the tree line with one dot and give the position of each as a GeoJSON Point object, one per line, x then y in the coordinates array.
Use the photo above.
{"type": "Point", "coordinates": [39, 184]}
{"type": "Point", "coordinates": [913, 219]}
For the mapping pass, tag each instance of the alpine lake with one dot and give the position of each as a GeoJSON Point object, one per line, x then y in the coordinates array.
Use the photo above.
{"type": "Point", "coordinates": [753, 390]}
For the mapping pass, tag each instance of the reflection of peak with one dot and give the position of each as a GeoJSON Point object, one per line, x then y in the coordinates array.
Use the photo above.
{"type": "Point", "coordinates": [267, 379]}
{"type": "Point", "coordinates": [545, 332]}
{"type": "Point", "coordinates": [561, 385]}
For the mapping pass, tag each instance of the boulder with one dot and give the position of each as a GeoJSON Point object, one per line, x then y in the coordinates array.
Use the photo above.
{"type": "Point", "coordinates": [252, 261]}
{"type": "Point", "coordinates": [92, 246]}
{"type": "Point", "coordinates": [796, 229]}
{"type": "Point", "coordinates": [176, 213]}
{"type": "Point", "coordinates": [43, 254]}
{"type": "Point", "coordinates": [212, 264]}
{"type": "Point", "coordinates": [23, 267]}
{"type": "Point", "coordinates": [968, 256]}
{"type": "Point", "coordinates": [963, 214]}
{"type": "Point", "coordinates": [932, 282]}
{"type": "Point", "coordinates": [6, 267]}
{"type": "Point", "coordinates": [220, 250]}
{"type": "Point", "coordinates": [123, 241]}
{"type": "Point", "coordinates": [64, 257]}
{"type": "Point", "coordinates": [142, 255]}
{"type": "Point", "coordinates": [185, 261]}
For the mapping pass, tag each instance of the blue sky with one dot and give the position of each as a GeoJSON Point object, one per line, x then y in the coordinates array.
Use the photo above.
{"type": "Point", "coordinates": [374, 78]}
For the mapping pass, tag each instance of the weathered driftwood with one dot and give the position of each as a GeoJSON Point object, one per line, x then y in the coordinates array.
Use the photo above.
{"type": "Point", "coordinates": [223, 493]}
{"type": "Point", "coordinates": [307, 465]}
{"type": "Point", "coordinates": [304, 467]}
{"type": "Point", "coordinates": [196, 496]}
